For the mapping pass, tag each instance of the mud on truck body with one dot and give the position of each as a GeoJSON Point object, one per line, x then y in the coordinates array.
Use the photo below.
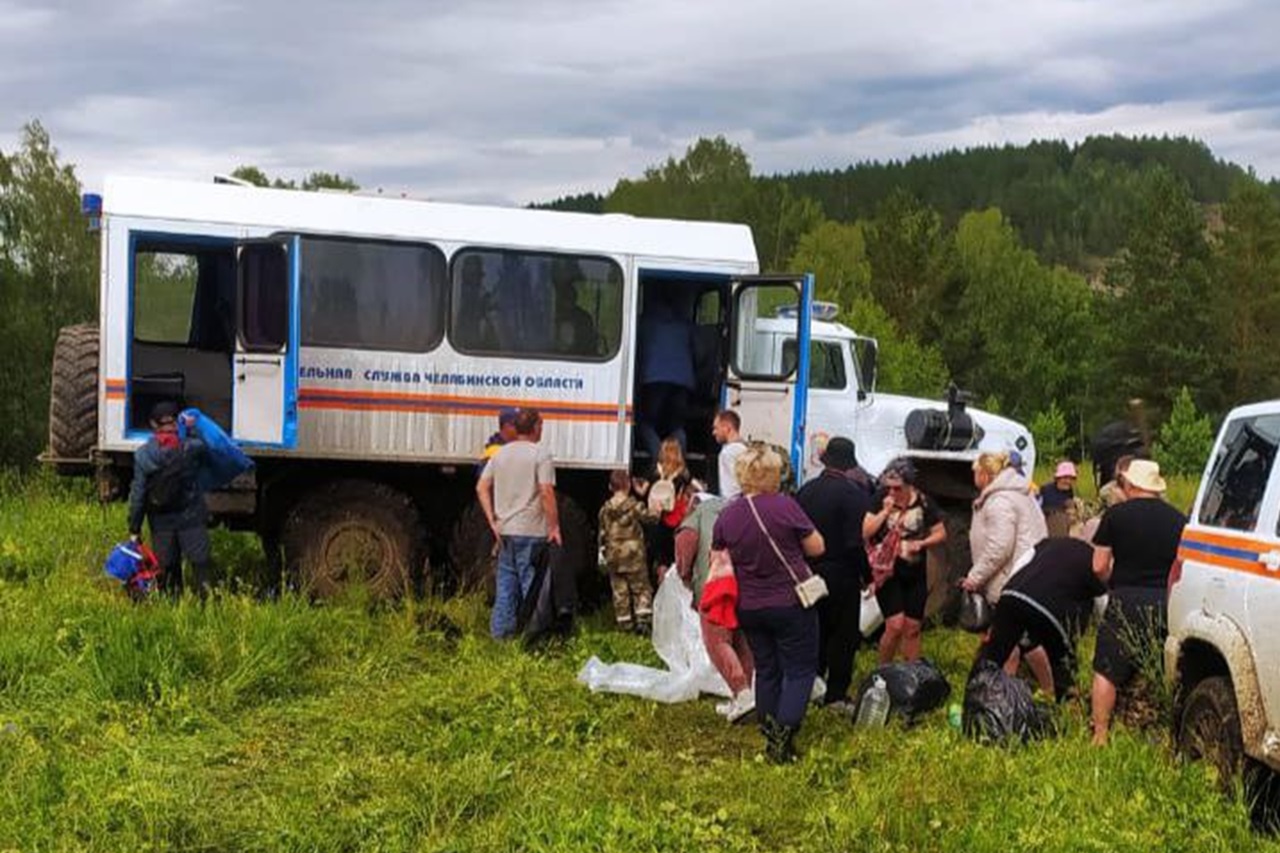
{"type": "Point", "coordinates": [360, 349]}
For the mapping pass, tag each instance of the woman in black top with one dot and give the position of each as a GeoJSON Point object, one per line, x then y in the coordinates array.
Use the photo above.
{"type": "Point", "coordinates": [904, 509]}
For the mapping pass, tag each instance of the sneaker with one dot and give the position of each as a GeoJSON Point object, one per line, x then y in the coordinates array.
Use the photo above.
{"type": "Point", "coordinates": [741, 705]}
{"type": "Point", "coordinates": [843, 707]}
{"type": "Point", "coordinates": [819, 691]}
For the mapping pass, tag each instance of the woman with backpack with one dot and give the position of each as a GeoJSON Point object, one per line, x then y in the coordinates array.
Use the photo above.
{"type": "Point", "coordinates": [668, 494]}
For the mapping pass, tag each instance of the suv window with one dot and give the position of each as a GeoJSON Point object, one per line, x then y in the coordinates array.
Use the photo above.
{"type": "Point", "coordinates": [1238, 480]}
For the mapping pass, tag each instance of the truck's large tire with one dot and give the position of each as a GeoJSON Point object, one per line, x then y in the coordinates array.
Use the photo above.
{"type": "Point", "coordinates": [474, 565]}
{"type": "Point", "coordinates": [471, 552]}
{"type": "Point", "coordinates": [947, 565]}
{"type": "Point", "coordinates": [73, 393]}
{"type": "Point", "coordinates": [349, 532]}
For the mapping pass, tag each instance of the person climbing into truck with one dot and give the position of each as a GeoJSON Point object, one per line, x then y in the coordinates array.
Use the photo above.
{"type": "Point", "coordinates": [166, 492]}
{"type": "Point", "coordinates": [666, 365]}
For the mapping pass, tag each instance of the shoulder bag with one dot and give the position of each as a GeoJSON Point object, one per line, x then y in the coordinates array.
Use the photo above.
{"type": "Point", "coordinates": [812, 589]}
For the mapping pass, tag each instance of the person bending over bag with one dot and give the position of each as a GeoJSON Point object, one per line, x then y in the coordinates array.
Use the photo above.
{"type": "Point", "coordinates": [1045, 605]}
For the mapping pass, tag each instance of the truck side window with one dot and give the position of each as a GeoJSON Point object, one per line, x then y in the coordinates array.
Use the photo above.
{"type": "Point", "coordinates": [164, 296]}
{"type": "Point", "coordinates": [826, 364]}
{"type": "Point", "coordinates": [264, 297]}
{"type": "Point", "coordinates": [536, 304]}
{"type": "Point", "coordinates": [372, 295]}
{"type": "Point", "coordinates": [1238, 479]}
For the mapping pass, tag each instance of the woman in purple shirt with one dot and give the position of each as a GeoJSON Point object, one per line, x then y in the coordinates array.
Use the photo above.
{"type": "Point", "coordinates": [782, 634]}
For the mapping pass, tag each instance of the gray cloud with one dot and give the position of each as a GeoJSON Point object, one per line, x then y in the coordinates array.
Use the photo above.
{"type": "Point", "coordinates": [510, 100]}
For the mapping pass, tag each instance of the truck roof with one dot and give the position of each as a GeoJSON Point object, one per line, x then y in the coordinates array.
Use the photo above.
{"type": "Point", "coordinates": [343, 213]}
{"type": "Point", "coordinates": [818, 328]}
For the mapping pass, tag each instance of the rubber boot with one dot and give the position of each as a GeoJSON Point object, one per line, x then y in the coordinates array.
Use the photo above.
{"type": "Point", "coordinates": [779, 742]}
{"type": "Point", "coordinates": [786, 749]}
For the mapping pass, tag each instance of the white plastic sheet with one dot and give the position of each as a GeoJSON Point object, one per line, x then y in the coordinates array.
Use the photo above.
{"type": "Point", "coordinates": [677, 638]}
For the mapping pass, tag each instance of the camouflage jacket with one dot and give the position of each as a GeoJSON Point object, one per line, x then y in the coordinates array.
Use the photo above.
{"type": "Point", "coordinates": [622, 521]}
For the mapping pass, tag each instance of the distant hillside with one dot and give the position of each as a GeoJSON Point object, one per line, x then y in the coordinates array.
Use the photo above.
{"type": "Point", "coordinates": [1069, 203]}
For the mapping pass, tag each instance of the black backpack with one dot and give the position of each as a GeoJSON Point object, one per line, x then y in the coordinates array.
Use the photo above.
{"type": "Point", "coordinates": [170, 484]}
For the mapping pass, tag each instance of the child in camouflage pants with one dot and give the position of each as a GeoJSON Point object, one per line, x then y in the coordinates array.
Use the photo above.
{"type": "Point", "coordinates": [623, 549]}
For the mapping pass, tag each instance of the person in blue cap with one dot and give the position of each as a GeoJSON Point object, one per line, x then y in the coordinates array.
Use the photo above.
{"type": "Point", "coordinates": [505, 435]}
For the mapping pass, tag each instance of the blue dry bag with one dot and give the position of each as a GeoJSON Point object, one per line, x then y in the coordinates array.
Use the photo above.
{"type": "Point", "coordinates": [225, 460]}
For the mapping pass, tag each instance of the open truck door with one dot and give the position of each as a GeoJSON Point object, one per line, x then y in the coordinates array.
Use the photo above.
{"type": "Point", "coordinates": [265, 363]}
{"type": "Point", "coordinates": [768, 392]}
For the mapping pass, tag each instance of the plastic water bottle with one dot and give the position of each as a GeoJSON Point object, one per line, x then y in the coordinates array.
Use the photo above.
{"type": "Point", "coordinates": [873, 710]}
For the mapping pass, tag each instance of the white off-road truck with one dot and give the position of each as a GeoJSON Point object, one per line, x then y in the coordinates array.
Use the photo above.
{"type": "Point", "coordinates": [360, 349]}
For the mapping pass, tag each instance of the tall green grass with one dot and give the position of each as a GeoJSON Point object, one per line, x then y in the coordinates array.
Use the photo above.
{"type": "Point", "coordinates": [235, 725]}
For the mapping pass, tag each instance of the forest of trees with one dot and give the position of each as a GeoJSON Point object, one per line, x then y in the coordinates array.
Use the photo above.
{"type": "Point", "coordinates": [1057, 282]}
{"type": "Point", "coordinates": [1054, 281]}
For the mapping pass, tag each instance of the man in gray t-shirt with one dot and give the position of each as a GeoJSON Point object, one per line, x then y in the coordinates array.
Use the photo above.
{"type": "Point", "coordinates": [517, 492]}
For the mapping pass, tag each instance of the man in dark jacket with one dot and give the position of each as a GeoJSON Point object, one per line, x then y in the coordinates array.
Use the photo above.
{"type": "Point", "coordinates": [166, 491]}
{"type": "Point", "coordinates": [836, 505]}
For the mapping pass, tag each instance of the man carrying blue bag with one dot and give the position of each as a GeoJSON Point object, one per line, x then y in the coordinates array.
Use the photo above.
{"type": "Point", "coordinates": [186, 456]}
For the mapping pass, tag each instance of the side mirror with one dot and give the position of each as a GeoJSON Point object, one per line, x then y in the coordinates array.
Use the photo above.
{"type": "Point", "coordinates": [865, 351]}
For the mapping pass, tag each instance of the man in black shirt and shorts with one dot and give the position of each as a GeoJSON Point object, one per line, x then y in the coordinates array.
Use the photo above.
{"type": "Point", "coordinates": [1134, 549]}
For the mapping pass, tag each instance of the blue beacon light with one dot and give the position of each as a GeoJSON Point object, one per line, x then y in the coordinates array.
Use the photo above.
{"type": "Point", "coordinates": [91, 209]}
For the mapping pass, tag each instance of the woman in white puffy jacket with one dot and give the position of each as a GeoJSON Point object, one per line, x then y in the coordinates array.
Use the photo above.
{"type": "Point", "coordinates": [1007, 523]}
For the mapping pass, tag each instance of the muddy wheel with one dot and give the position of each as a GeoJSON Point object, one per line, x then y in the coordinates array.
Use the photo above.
{"type": "Point", "coordinates": [946, 566]}
{"type": "Point", "coordinates": [1209, 729]}
{"type": "Point", "coordinates": [471, 552]}
{"type": "Point", "coordinates": [354, 532]}
{"type": "Point", "coordinates": [73, 392]}
{"type": "Point", "coordinates": [579, 533]}
{"type": "Point", "coordinates": [475, 566]}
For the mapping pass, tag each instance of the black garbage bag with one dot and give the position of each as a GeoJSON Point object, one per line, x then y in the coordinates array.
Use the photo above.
{"type": "Point", "coordinates": [549, 607]}
{"type": "Point", "coordinates": [915, 688]}
{"type": "Point", "coordinates": [998, 708]}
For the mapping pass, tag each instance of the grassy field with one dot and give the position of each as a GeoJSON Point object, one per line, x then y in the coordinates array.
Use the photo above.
{"type": "Point", "coordinates": [241, 726]}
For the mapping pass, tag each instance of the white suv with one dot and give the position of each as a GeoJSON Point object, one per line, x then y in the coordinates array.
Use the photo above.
{"type": "Point", "coordinates": [1223, 649]}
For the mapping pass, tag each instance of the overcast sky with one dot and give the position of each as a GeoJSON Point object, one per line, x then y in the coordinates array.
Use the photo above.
{"type": "Point", "coordinates": [526, 100]}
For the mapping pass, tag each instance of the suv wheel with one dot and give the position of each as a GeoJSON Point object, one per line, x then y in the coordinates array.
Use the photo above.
{"type": "Point", "coordinates": [1209, 729]}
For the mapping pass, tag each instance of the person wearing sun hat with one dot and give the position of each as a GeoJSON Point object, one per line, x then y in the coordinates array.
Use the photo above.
{"type": "Point", "coordinates": [1134, 548]}
{"type": "Point", "coordinates": [1063, 511]}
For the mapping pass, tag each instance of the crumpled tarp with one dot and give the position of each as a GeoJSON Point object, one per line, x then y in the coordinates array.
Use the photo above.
{"type": "Point", "coordinates": [677, 638]}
